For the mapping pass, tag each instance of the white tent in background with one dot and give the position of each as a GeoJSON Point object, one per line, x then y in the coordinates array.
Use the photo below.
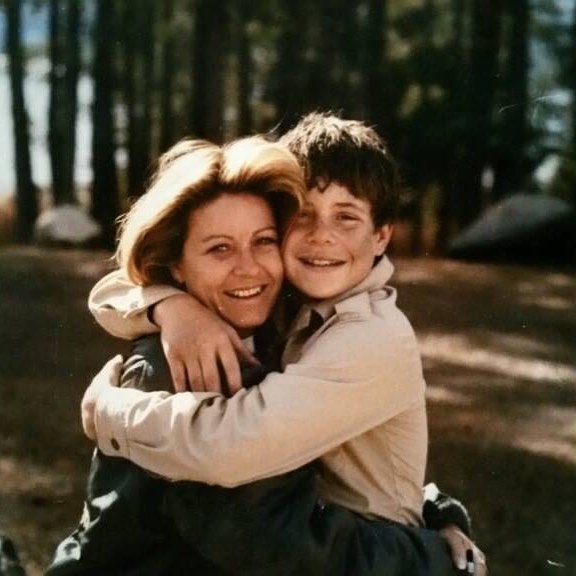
{"type": "Point", "coordinates": [66, 224]}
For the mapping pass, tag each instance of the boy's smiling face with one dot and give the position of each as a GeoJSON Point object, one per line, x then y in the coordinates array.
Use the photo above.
{"type": "Point", "coordinates": [331, 243]}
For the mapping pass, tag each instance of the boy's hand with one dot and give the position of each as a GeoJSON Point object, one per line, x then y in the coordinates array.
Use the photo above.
{"type": "Point", "coordinates": [107, 377]}
{"type": "Point", "coordinates": [467, 557]}
{"type": "Point", "coordinates": [196, 341]}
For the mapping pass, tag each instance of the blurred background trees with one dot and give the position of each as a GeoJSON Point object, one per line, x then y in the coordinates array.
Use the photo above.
{"type": "Point", "coordinates": [472, 95]}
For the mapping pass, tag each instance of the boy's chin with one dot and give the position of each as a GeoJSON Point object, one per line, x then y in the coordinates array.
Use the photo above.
{"type": "Point", "coordinates": [316, 291]}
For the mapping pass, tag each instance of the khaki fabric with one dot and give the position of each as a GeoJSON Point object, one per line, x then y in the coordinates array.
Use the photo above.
{"type": "Point", "coordinates": [352, 395]}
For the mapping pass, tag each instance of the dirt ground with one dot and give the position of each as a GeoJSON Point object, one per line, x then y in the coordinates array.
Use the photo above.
{"type": "Point", "coordinates": [498, 344]}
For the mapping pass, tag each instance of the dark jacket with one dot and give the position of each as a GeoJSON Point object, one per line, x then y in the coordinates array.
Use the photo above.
{"type": "Point", "coordinates": [134, 523]}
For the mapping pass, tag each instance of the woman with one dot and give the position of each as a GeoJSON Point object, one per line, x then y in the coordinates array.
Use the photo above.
{"type": "Point", "coordinates": [208, 224]}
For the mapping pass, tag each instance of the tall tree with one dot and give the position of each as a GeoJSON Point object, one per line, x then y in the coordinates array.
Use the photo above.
{"type": "Point", "coordinates": [376, 65]}
{"type": "Point", "coordinates": [105, 199]}
{"type": "Point", "coordinates": [64, 71]}
{"type": "Point", "coordinates": [479, 106]}
{"type": "Point", "coordinates": [211, 30]}
{"type": "Point", "coordinates": [572, 74]}
{"type": "Point", "coordinates": [26, 197]}
{"type": "Point", "coordinates": [455, 86]}
{"type": "Point", "coordinates": [244, 66]}
{"type": "Point", "coordinates": [510, 163]}
{"type": "Point", "coordinates": [290, 82]}
{"type": "Point", "coordinates": [167, 34]}
{"type": "Point", "coordinates": [138, 25]}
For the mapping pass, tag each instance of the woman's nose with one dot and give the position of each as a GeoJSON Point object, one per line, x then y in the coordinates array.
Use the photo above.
{"type": "Point", "coordinates": [246, 263]}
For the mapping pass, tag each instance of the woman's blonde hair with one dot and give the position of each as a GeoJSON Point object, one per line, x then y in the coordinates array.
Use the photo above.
{"type": "Point", "coordinates": [189, 175]}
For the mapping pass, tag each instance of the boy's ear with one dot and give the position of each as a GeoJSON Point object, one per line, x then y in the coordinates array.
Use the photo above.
{"type": "Point", "coordinates": [383, 236]}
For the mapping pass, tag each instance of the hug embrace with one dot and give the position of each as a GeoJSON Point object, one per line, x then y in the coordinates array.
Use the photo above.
{"type": "Point", "coordinates": [271, 418]}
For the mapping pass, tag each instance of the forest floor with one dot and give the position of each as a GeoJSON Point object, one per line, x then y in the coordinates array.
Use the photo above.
{"type": "Point", "coordinates": [498, 345]}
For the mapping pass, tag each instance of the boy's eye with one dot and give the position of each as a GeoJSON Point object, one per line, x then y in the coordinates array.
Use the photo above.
{"type": "Point", "coordinates": [347, 217]}
{"type": "Point", "coordinates": [304, 214]}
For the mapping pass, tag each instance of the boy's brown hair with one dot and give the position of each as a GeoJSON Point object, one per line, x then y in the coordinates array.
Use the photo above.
{"type": "Point", "coordinates": [331, 149]}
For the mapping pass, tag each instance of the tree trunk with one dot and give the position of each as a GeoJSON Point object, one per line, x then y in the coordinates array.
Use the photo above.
{"type": "Point", "coordinates": [573, 77]}
{"type": "Point", "coordinates": [480, 101]}
{"type": "Point", "coordinates": [26, 197]}
{"type": "Point", "coordinates": [168, 76]}
{"type": "Point", "coordinates": [244, 67]}
{"type": "Point", "coordinates": [105, 200]}
{"type": "Point", "coordinates": [209, 52]}
{"type": "Point", "coordinates": [449, 185]}
{"type": "Point", "coordinates": [64, 56]}
{"type": "Point", "coordinates": [377, 104]}
{"type": "Point", "coordinates": [510, 161]}
{"type": "Point", "coordinates": [290, 82]}
{"type": "Point", "coordinates": [138, 23]}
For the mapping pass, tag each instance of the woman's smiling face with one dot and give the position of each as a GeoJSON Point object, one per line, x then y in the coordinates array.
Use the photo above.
{"type": "Point", "coordinates": [231, 259]}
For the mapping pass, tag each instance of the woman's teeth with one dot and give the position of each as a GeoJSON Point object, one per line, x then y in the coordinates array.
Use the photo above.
{"type": "Point", "coordinates": [246, 293]}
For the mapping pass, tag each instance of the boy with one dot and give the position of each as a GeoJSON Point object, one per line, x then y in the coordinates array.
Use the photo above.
{"type": "Point", "coordinates": [351, 394]}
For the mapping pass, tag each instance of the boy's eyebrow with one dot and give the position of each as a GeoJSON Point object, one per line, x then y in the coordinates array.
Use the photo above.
{"type": "Point", "coordinates": [349, 205]}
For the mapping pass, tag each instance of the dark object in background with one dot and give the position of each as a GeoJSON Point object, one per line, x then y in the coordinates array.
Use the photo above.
{"type": "Point", "coordinates": [528, 228]}
{"type": "Point", "coordinates": [9, 560]}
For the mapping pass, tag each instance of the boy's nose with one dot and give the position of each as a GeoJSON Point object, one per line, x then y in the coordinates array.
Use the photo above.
{"type": "Point", "coordinates": [320, 232]}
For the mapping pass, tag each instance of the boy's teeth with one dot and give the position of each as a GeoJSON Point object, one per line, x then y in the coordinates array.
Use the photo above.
{"type": "Point", "coordinates": [246, 293]}
{"type": "Point", "coordinates": [318, 262]}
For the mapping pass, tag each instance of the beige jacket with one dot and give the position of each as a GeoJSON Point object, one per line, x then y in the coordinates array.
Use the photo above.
{"type": "Point", "coordinates": [352, 395]}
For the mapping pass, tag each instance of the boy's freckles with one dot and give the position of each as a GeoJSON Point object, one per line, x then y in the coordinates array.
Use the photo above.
{"type": "Point", "coordinates": [330, 245]}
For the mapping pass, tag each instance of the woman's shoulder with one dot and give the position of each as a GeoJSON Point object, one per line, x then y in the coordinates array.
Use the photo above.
{"type": "Point", "coordinates": [146, 367]}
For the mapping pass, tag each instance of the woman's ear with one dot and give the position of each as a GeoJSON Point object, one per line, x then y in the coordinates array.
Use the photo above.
{"type": "Point", "coordinates": [176, 272]}
{"type": "Point", "coordinates": [383, 234]}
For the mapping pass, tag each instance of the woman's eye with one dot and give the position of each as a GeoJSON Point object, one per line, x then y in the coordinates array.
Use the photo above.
{"type": "Point", "coordinates": [267, 240]}
{"type": "Point", "coordinates": [219, 249]}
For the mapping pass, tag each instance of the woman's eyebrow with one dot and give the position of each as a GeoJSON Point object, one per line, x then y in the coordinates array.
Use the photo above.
{"type": "Point", "coordinates": [227, 237]}
{"type": "Point", "coordinates": [215, 237]}
{"type": "Point", "coordinates": [266, 229]}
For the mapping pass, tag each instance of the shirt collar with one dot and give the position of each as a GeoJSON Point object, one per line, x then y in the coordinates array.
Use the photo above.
{"type": "Point", "coordinates": [376, 280]}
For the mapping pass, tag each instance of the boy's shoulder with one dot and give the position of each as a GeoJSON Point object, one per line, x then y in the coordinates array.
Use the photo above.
{"type": "Point", "coordinates": [366, 320]}
{"type": "Point", "coordinates": [366, 304]}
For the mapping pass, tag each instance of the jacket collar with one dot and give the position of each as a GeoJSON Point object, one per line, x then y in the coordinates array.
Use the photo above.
{"type": "Point", "coordinates": [376, 280]}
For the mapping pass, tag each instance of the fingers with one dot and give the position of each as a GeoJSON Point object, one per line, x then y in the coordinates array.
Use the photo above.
{"type": "Point", "coordinates": [241, 350]}
{"type": "Point", "coordinates": [209, 372]}
{"type": "Point", "coordinates": [111, 371]}
{"type": "Point", "coordinates": [480, 567]}
{"type": "Point", "coordinates": [197, 367]}
{"type": "Point", "coordinates": [109, 375]}
{"type": "Point", "coordinates": [467, 557]}
{"type": "Point", "coordinates": [458, 548]}
{"type": "Point", "coordinates": [231, 369]}
{"type": "Point", "coordinates": [178, 374]}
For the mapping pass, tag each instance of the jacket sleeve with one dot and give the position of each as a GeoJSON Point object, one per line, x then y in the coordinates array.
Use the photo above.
{"type": "Point", "coordinates": [321, 402]}
{"type": "Point", "coordinates": [441, 510]}
{"type": "Point", "coordinates": [121, 308]}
